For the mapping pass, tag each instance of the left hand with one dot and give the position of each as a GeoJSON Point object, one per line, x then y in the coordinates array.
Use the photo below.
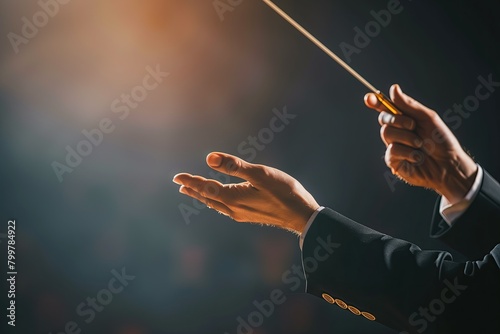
{"type": "Point", "coordinates": [268, 196]}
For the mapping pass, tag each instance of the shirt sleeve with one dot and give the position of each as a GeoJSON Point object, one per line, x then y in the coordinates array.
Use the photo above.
{"type": "Point", "coordinates": [308, 225]}
{"type": "Point", "coordinates": [452, 211]}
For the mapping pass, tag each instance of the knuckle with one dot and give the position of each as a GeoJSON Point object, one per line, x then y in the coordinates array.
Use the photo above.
{"type": "Point", "coordinates": [402, 120]}
{"type": "Point", "coordinates": [387, 134]}
{"type": "Point", "coordinates": [418, 157]}
{"type": "Point", "coordinates": [210, 189]}
{"type": "Point", "coordinates": [232, 166]}
{"type": "Point", "coordinates": [197, 183]}
{"type": "Point", "coordinates": [391, 159]}
{"type": "Point", "coordinates": [294, 186]}
{"type": "Point", "coordinates": [415, 141]}
{"type": "Point", "coordinates": [202, 191]}
{"type": "Point", "coordinates": [262, 172]}
{"type": "Point", "coordinates": [383, 131]}
{"type": "Point", "coordinates": [411, 102]}
{"type": "Point", "coordinates": [433, 116]}
{"type": "Point", "coordinates": [407, 119]}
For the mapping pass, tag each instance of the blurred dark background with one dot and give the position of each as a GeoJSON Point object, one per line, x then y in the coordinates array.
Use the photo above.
{"type": "Point", "coordinates": [119, 209]}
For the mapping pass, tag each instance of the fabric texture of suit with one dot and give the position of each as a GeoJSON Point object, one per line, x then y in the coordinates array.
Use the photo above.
{"type": "Point", "coordinates": [394, 282]}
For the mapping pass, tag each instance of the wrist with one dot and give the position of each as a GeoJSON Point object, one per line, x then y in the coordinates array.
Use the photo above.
{"type": "Point", "coordinates": [459, 178]}
{"type": "Point", "coordinates": [301, 223]}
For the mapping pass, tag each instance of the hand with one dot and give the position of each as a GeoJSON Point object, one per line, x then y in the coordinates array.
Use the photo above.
{"type": "Point", "coordinates": [268, 196]}
{"type": "Point", "coordinates": [421, 149]}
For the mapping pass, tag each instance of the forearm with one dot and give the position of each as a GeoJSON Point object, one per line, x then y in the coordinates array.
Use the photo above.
{"type": "Point", "coordinates": [390, 278]}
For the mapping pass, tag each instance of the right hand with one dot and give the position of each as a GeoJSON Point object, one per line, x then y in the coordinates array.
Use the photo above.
{"type": "Point", "coordinates": [421, 149]}
{"type": "Point", "coordinates": [268, 195]}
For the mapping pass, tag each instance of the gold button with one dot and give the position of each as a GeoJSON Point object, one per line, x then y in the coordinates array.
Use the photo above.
{"type": "Point", "coordinates": [328, 298]}
{"type": "Point", "coordinates": [341, 304]}
{"type": "Point", "coordinates": [354, 310]}
{"type": "Point", "coordinates": [368, 316]}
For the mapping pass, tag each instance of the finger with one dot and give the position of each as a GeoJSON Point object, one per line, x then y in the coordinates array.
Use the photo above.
{"type": "Point", "coordinates": [392, 135]}
{"type": "Point", "coordinates": [397, 152]}
{"type": "Point", "coordinates": [210, 203]}
{"type": "Point", "coordinates": [207, 188]}
{"type": "Point", "coordinates": [180, 178]}
{"type": "Point", "coordinates": [234, 166]}
{"type": "Point", "coordinates": [409, 106]}
{"type": "Point", "coordinates": [372, 102]}
{"type": "Point", "coordinates": [398, 121]}
{"type": "Point", "coordinates": [404, 170]}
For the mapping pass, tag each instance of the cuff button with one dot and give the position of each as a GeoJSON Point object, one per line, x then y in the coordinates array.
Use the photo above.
{"type": "Point", "coordinates": [354, 310]}
{"type": "Point", "coordinates": [328, 298]}
{"type": "Point", "coordinates": [368, 316]}
{"type": "Point", "coordinates": [341, 304]}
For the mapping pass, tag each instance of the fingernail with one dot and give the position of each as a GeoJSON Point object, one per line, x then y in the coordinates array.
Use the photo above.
{"type": "Point", "coordinates": [214, 160]}
{"type": "Point", "coordinates": [389, 119]}
{"type": "Point", "coordinates": [175, 179]}
{"type": "Point", "coordinates": [182, 190]}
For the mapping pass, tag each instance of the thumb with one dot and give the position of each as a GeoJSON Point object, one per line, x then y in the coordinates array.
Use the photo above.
{"type": "Point", "coordinates": [232, 165]}
{"type": "Point", "coordinates": [409, 106]}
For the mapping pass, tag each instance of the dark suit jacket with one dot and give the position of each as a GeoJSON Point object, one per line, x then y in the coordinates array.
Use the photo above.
{"type": "Point", "coordinates": [394, 282]}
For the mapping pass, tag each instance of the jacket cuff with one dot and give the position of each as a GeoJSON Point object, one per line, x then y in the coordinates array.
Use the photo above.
{"type": "Point", "coordinates": [476, 231]}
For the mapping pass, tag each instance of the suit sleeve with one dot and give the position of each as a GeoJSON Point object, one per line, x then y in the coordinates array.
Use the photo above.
{"type": "Point", "coordinates": [477, 230]}
{"type": "Point", "coordinates": [394, 282]}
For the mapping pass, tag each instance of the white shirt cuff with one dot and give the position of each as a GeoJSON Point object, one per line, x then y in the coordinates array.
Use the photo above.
{"type": "Point", "coordinates": [308, 225]}
{"type": "Point", "coordinates": [452, 211]}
